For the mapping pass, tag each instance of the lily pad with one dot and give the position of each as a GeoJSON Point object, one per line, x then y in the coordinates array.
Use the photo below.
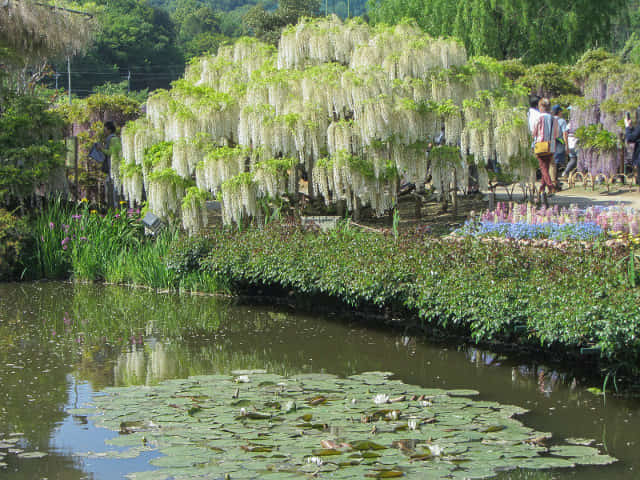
{"type": "Point", "coordinates": [319, 424]}
{"type": "Point", "coordinates": [32, 455]}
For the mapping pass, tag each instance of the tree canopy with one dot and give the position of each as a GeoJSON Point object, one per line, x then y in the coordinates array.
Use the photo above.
{"type": "Point", "coordinates": [536, 31]}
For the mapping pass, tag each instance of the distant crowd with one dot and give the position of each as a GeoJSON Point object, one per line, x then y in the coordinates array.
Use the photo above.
{"type": "Point", "coordinates": [555, 143]}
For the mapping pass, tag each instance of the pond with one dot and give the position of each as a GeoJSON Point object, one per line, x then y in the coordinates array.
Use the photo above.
{"type": "Point", "coordinates": [61, 343]}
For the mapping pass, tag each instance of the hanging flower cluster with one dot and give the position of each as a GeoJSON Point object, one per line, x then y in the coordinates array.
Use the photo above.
{"type": "Point", "coordinates": [356, 107]}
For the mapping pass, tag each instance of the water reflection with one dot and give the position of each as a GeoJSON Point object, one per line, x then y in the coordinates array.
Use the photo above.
{"type": "Point", "coordinates": [55, 336]}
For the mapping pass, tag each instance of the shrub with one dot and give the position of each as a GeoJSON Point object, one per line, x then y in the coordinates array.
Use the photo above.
{"type": "Point", "coordinates": [15, 245]}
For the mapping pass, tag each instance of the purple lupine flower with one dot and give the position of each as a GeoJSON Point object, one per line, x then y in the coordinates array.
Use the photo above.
{"type": "Point", "coordinates": [51, 225]}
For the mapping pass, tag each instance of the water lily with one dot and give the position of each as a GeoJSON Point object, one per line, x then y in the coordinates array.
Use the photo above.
{"type": "Point", "coordinates": [315, 460]}
{"type": "Point", "coordinates": [412, 423]}
{"type": "Point", "coordinates": [435, 450]}
{"type": "Point", "coordinates": [380, 399]}
{"type": "Point", "coordinates": [242, 379]}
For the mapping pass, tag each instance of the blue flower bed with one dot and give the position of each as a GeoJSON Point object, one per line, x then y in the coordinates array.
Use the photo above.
{"type": "Point", "coordinates": [587, 231]}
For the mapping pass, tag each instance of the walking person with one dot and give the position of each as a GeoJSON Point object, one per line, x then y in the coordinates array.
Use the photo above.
{"type": "Point", "coordinates": [572, 146]}
{"type": "Point", "coordinates": [632, 135]}
{"type": "Point", "coordinates": [545, 133]}
{"type": "Point", "coordinates": [534, 114]}
{"type": "Point", "coordinates": [560, 155]}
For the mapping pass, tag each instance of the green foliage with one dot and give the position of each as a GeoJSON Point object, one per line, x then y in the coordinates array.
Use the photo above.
{"type": "Point", "coordinates": [575, 299]}
{"type": "Point", "coordinates": [145, 264]}
{"type": "Point", "coordinates": [15, 243]}
{"type": "Point", "coordinates": [30, 145]}
{"type": "Point", "coordinates": [76, 240]}
{"type": "Point", "coordinates": [110, 89]}
{"type": "Point", "coordinates": [196, 196]}
{"type": "Point", "coordinates": [118, 107]}
{"type": "Point", "coordinates": [266, 25]}
{"type": "Point", "coordinates": [549, 80]}
{"type": "Point", "coordinates": [596, 137]}
{"type": "Point", "coordinates": [535, 31]}
{"type": "Point", "coordinates": [158, 156]}
{"type": "Point", "coordinates": [133, 37]}
{"type": "Point", "coordinates": [235, 183]}
{"type": "Point", "coordinates": [597, 62]}
{"type": "Point", "coordinates": [444, 155]}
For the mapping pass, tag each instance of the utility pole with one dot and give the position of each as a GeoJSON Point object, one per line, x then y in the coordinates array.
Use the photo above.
{"type": "Point", "coordinates": [57, 75]}
{"type": "Point", "coordinates": [69, 76]}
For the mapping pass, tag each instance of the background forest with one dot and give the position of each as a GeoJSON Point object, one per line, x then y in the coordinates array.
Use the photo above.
{"type": "Point", "coordinates": [145, 44]}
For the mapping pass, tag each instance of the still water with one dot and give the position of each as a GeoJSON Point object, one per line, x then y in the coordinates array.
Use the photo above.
{"type": "Point", "coordinates": [60, 343]}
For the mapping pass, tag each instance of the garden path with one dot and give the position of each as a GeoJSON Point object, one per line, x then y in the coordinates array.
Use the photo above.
{"type": "Point", "coordinates": [585, 197]}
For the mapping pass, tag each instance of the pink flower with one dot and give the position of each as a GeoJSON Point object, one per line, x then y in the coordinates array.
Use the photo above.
{"type": "Point", "coordinates": [51, 225]}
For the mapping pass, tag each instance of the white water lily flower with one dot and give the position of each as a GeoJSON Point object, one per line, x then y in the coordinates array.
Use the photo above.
{"type": "Point", "coordinates": [315, 460]}
{"type": "Point", "coordinates": [412, 423]}
{"type": "Point", "coordinates": [242, 379]}
{"type": "Point", "coordinates": [380, 399]}
{"type": "Point", "coordinates": [243, 411]}
{"type": "Point", "coordinates": [353, 401]}
{"type": "Point", "coordinates": [435, 450]}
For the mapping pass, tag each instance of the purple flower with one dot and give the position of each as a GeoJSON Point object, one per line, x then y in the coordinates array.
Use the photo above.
{"type": "Point", "coordinates": [117, 215]}
{"type": "Point", "coordinates": [76, 217]}
{"type": "Point", "coordinates": [65, 241]}
{"type": "Point", "coordinates": [84, 239]}
{"type": "Point", "coordinates": [65, 227]}
{"type": "Point", "coordinates": [51, 225]}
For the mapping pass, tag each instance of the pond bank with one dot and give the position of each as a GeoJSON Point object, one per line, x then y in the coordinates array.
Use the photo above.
{"type": "Point", "coordinates": [574, 300]}
{"type": "Point", "coordinates": [577, 303]}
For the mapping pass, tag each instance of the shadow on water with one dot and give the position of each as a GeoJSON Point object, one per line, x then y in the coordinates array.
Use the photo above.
{"type": "Point", "coordinates": [60, 342]}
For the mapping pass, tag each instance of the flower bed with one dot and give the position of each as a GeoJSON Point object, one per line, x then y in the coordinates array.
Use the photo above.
{"type": "Point", "coordinates": [522, 221]}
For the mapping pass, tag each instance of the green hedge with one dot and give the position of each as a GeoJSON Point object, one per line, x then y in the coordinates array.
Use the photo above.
{"type": "Point", "coordinates": [491, 291]}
